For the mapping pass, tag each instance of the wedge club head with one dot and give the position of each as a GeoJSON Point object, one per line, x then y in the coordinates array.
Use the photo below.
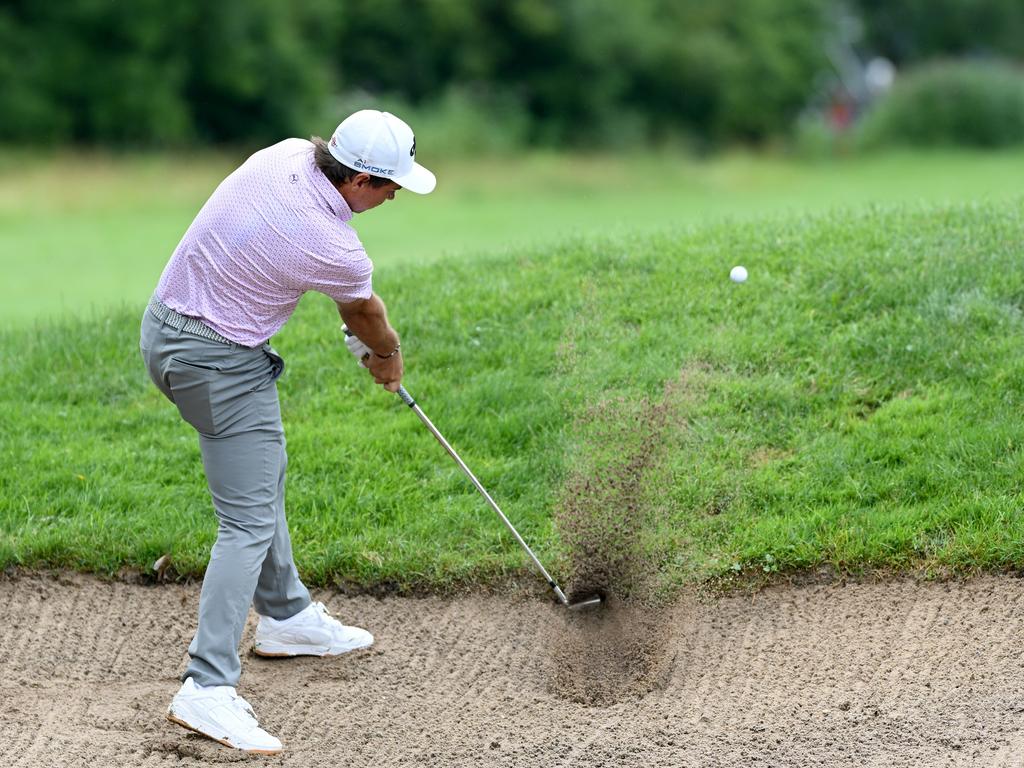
{"type": "Point", "coordinates": [590, 602]}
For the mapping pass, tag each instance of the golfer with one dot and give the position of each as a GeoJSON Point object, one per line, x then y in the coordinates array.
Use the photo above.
{"type": "Point", "coordinates": [275, 228]}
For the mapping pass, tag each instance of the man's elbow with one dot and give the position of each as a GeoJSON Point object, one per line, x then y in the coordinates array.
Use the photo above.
{"type": "Point", "coordinates": [349, 309]}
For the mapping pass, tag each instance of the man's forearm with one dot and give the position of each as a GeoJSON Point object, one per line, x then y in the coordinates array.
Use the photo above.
{"type": "Point", "coordinates": [369, 321]}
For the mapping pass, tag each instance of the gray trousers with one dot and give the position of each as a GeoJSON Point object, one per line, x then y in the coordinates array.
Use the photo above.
{"type": "Point", "coordinates": [228, 393]}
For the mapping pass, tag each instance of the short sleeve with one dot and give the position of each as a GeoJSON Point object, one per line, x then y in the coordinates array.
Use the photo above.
{"type": "Point", "coordinates": [346, 277]}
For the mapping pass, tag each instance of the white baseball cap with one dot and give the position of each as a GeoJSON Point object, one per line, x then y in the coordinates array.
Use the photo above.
{"type": "Point", "coordinates": [380, 144]}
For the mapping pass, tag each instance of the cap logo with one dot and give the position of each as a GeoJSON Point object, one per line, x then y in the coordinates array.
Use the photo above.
{"type": "Point", "coordinates": [334, 141]}
{"type": "Point", "coordinates": [412, 152]}
{"type": "Point", "coordinates": [373, 169]}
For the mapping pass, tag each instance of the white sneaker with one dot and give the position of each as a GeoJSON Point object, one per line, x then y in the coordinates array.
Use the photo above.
{"type": "Point", "coordinates": [310, 632]}
{"type": "Point", "coordinates": [219, 713]}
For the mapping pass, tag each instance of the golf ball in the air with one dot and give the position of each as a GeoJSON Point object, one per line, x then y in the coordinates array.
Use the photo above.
{"type": "Point", "coordinates": [738, 274]}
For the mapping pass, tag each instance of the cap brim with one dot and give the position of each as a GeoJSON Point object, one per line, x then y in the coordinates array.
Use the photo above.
{"type": "Point", "coordinates": [418, 180]}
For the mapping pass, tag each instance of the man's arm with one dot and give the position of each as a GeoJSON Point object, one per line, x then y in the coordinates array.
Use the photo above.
{"type": "Point", "coordinates": [368, 319]}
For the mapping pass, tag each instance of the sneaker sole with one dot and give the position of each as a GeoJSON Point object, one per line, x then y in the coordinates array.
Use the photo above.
{"type": "Point", "coordinates": [280, 651]}
{"type": "Point", "coordinates": [183, 724]}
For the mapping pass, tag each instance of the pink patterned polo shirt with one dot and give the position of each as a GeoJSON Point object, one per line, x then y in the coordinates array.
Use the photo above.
{"type": "Point", "coordinates": [272, 230]}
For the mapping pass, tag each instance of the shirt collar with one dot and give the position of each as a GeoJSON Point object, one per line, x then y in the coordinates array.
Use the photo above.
{"type": "Point", "coordinates": [328, 192]}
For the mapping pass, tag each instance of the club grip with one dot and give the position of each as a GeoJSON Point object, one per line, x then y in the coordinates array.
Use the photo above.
{"type": "Point", "coordinates": [406, 397]}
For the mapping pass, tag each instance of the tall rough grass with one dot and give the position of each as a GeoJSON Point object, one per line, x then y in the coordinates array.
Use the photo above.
{"type": "Point", "coordinates": [855, 403]}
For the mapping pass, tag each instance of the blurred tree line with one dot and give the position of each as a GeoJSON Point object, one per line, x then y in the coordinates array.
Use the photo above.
{"type": "Point", "coordinates": [557, 72]}
{"type": "Point", "coordinates": [913, 31]}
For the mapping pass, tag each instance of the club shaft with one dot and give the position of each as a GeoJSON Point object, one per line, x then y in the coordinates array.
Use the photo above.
{"type": "Point", "coordinates": [407, 399]}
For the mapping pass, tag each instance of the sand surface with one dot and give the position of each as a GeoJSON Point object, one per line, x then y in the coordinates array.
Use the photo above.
{"type": "Point", "coordinates": [893, 674]}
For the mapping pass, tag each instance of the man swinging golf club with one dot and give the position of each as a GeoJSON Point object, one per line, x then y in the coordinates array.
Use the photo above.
{"type": "Point", "coordinates": [275, 228]}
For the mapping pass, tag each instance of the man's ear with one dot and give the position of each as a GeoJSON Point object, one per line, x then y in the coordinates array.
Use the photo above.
{"type": "Point", "coordinates": [360, 179]}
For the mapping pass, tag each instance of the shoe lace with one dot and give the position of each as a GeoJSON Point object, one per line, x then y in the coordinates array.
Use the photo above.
{"type": "Point", "coordinates": [241, 705]}
{"type": "Point", "coordinates": [330, 620]}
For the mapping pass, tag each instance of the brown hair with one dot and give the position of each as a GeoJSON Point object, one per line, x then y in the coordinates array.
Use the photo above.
{"type": "Point", "coordinates": [336, 172]}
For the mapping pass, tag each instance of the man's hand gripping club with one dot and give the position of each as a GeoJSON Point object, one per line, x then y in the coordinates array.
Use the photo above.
{"type": "Point", "coordinates": [372, 341]}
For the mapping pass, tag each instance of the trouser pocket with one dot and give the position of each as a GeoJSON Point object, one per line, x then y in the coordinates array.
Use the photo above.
{"type": "Point", "coordinates": [225, 399]}
{"type": "Point", "coordinates": [276, 365]}
{"type": "Point", "coordinates": [217, 389]}
{"type": "Point", "coordinates": [191, 388]}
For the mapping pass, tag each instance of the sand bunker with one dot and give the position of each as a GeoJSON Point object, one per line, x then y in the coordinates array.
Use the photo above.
{"type": "Point", "coordinates": [897, 674]}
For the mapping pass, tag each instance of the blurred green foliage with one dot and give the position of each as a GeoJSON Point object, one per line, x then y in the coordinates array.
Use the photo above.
{"type": "Point", "coordinates": [153, 73]}
{"type": "Point", "coordinates": [482, 74]}
{"type": "Point", "coordinates": [967, 103]}
{"type": "Point", "coordinates": [582, 73]}
{"type": "Point", "coordinates": [600, 71]}
{"type": "Point", "coordinates": [913, 31]}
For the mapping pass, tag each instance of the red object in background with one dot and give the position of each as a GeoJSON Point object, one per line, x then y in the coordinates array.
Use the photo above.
{"type": "Point", "coordinates": [840, 115]}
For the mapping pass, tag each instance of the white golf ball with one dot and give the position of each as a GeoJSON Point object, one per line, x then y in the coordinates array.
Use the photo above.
{"type": "Point", "coordinates": [738, 274]}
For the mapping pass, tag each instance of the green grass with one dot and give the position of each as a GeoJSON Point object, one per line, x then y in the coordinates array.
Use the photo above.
{"type": "Point", "coordinates": [857, 402]}
{"type": "Point", "coordinates": [84, 232]}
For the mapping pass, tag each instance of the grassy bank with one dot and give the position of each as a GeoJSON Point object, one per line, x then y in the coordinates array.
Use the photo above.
{"type": "Point", "coordinates": [82, 233]}
{"type": "Point", "coordinates": [857, 402]}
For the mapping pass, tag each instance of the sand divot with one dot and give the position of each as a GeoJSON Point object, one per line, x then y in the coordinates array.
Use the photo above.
{"type": "Point", "coordinates": [616, 653]}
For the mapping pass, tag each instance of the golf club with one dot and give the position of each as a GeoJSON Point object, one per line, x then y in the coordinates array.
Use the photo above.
{"type": "Point", "coordinates": [590, 601]}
